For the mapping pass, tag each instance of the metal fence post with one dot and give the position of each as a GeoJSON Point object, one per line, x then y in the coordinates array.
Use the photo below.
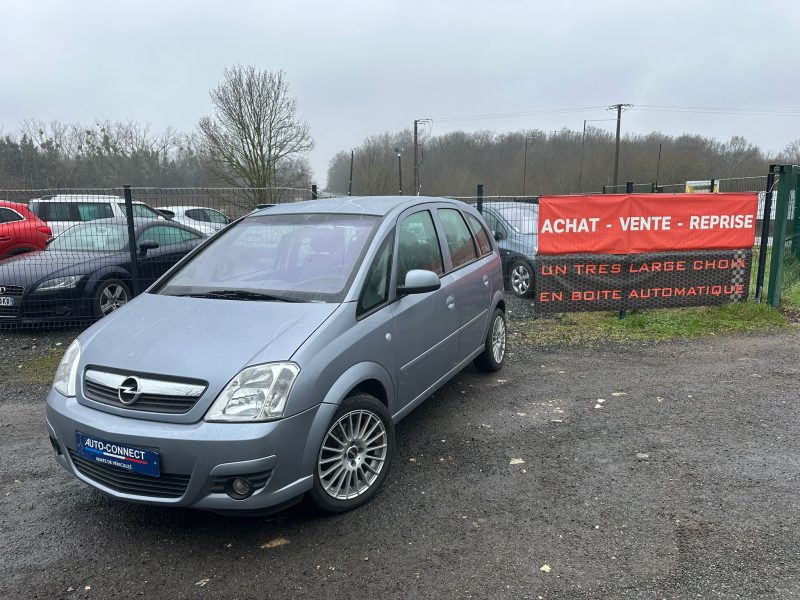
{"type": "Point", "coordinates": [480, 198]}
{"type": "Point", "coordinates": [134, 251]}
{"type": "Point", "coordinates": [764, 245]}
{"type": "Point", "coordinates": [314, 195]}
{"type": "Point", "coordinates": [779, 235]}
{"type": "Point", "coordinates": [629, 187]}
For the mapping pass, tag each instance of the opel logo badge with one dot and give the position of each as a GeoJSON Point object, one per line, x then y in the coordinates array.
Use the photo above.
{"type": "Point", "coordinates": [128, 391]}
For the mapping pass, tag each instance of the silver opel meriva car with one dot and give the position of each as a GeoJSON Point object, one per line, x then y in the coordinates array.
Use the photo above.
{"type": "Point", "coordinates": [275, 359]}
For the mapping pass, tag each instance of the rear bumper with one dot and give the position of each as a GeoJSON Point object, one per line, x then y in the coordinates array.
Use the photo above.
{"type": "Point", "coordinates": [197, 455]}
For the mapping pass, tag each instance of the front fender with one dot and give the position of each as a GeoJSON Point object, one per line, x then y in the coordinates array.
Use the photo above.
{"type": "Point", "coordinates": [336, 394]}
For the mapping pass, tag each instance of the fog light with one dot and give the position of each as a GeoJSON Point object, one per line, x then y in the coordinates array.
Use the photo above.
{"type": "Point", "coordinates": [239, 489]}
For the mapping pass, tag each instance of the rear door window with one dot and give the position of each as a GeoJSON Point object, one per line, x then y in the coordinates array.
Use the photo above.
{"type": "Point", "coordinates": [480, 235]}
{"type": "Point", "coordinates": [90, 211]}
{"type": "Point", "coordinates": [459, 239]}
{"type": "Point", "coordinates": [54, 211]}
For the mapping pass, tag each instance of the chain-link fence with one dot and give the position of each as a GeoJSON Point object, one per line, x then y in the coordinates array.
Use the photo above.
{"type": "Point", "coordinates": [71, 256]}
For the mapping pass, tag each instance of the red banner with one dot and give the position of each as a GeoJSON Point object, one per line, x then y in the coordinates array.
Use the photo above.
{"type": "Point", "coordinates": [638, 223]}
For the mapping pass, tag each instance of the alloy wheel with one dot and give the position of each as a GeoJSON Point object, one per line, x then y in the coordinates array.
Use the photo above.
{"type": "Point", "coordinates": [520, 280]}
{"type": "Point", "coordinates": [112, 297]}
{"type": "Point", "coordinates": [352, 455]}
{"type": "Point", "coordinates": [499, 339]}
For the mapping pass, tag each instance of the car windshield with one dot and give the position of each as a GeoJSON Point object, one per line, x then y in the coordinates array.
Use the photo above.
{"type": "Point", "coordinates": [522, 218]}
{"type": "Point", "coordinates": [91, 237]}
{"type": "Point", "coordinates": [294, 257]}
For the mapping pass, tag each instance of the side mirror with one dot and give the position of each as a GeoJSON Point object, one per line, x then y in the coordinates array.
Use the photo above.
{"type": "Point", "coordinates": [419, 281]}
{"type": "Point", "coordinates": [146, 245]}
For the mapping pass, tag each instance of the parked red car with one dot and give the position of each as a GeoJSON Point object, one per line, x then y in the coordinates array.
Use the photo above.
{"type": "Point", "coordinates": [20, 230]}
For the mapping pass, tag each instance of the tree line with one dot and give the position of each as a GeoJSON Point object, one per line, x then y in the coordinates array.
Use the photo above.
{"type": "Point", "coordinates": [253, 138]}
{"type": "Point", "coordinates": [539, 162]}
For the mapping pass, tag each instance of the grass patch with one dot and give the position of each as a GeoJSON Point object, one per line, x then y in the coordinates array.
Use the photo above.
{"type": "Point", "coordinates": [42, 369]}
{"type": "Point", "coordinates": [662, 324]}
{"type": "Point", "coordinates": [37, 370]}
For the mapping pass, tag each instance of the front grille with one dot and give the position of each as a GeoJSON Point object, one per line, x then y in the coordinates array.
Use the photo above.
{"type": "Point", "coordinates": [166, 486]}
{"type": "Point", "coordinates": [146, 402]}
{"type": "Point", "coordinates": [16, 291]}
{"type": "Point", "coordinates": [12, 290]}
{"type": "Point", "coordinates": [104, 385]}
{"type": "Point", "coordinates": [257, 480]}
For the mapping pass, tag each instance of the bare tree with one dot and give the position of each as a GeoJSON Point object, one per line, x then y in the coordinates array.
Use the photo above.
{"type": "Point", "coordinates": [255, 134]}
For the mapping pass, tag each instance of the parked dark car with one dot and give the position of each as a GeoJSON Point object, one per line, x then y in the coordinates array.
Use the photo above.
{"type": "Point", "coordinates": [85, 273]}
{"type": "Point", "coordinates": [20, 230]}
{"type": "Point", "coordinates": [515, 227]}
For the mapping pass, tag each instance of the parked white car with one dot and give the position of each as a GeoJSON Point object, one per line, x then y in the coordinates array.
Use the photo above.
{"type": "Point", "coordinates": [206, 220]}
{"type": "Point", "coordinates": [62, 211]}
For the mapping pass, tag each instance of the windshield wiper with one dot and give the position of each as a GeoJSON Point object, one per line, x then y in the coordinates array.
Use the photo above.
{"type": "Point", "coordinates": [237, 295]}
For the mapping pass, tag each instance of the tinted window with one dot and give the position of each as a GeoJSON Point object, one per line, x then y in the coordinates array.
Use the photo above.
{"type": "Point", "coordinates": [164, 235]}
{"type": "Point", "coordinates": [198, 214]}
{"type": "Point", "coordinates": [9, 216]}
{"type": "Point", "coordinates": [480, 235]}
{"type": "Point", "coordinates": [418, 246]}
{"type": "Point", "coordinates": [140, 210]}
{"type": "Point", "coordinates": [54, 211]}
{"type": "Point", "coordinates": [90, 211]}
{"type": "Point", "coordinates": [376, 286]}
{"type": "Point", "coordinates": [292, 256]}
{"type": "Point", "coordinates": [459, 239]}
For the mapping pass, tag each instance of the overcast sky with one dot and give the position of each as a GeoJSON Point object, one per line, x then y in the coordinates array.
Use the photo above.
{"type": "Point", "coordinates": [364, 67]}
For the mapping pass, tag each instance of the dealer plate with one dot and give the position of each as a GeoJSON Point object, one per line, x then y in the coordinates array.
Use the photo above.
{"type": "Point", "coordinates": [117, 454]}
{"type": "Point", "coordinates": [6, 301]}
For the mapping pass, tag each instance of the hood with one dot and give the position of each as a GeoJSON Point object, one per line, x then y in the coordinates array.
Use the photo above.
{"type": "Point", "coordinates": [32, 267]}
{"type": "Point", "coordinates": [199, 337]}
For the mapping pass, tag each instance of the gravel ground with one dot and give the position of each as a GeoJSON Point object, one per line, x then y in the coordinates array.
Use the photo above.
{"type": "Point", "coordinates": [682, 482]}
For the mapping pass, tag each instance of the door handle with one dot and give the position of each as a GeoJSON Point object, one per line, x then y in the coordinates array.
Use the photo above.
{"type": "Point", "coordinates": [486, 280]}
{"type": "Point", "coordinates": [451, 303]}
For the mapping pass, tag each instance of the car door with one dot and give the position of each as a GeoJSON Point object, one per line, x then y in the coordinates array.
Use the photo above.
{"type": "Point", "coordinates": [471, 280]}
{"type": "Point", "coordinates": [426, 325]}
{"type": "Point", "coordinates": [173, 244]}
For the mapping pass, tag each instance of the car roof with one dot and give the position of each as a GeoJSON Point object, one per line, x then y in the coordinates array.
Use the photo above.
{"type": "Point", "coordinates": [177, 208]}
{"type": "Point", "coordinates": [368, 205]}
{"type": "Point", "coordinates": [137, 222]}
{"type": "Point", "coordinates": [78, 198]}
{"type": "Point", "coordinates": [14, 205]}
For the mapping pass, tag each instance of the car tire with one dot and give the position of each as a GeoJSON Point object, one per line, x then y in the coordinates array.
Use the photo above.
{"type": "Point", "coordinates": [109, 295]}
{"type": "Point", "coordinates": [355, 455]}
{"type": "Point", "coordinates": [520, 278]}
{"type": "Point", "coordinates": [494, 353]}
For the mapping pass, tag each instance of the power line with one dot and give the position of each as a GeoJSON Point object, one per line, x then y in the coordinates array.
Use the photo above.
{"type": "Point", "coordinates": [514, 115]}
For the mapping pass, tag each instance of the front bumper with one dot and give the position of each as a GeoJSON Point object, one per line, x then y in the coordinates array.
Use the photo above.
{"type": "Point", "coordinates": [49, 307]}
{"type": "Point", "coordinates": [197, 455]}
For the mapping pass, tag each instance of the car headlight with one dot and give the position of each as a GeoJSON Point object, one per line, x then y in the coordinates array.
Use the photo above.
{"type": "Point", "coordinates": [59, 283]}
{"type": "Point", "coordinates": [67, 372]}
{"type": "Point", "coordinates": [257, 393]}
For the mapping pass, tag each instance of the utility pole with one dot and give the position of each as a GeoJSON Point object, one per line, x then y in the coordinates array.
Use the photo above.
{"type": "Point", "coordinates": [350, 184]}
{"type": "Point", "coordinates": [417, 162]}
{"type": "Point", "coordinates": [619, 108]}
{"type": "Point", "coordinates": [399, 152]}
